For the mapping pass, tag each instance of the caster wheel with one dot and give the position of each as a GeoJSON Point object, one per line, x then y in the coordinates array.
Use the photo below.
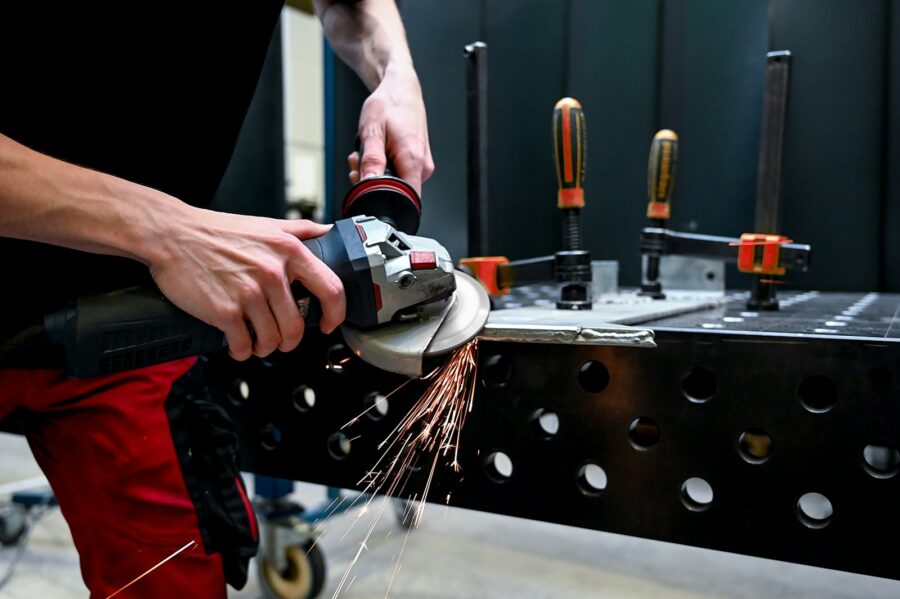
{"type": "Point", "coordinates": [12, 524]}
{"type": "Point", "coordinates": [303, 578]}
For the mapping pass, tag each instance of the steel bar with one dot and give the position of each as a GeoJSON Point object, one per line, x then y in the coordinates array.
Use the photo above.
{"type": "Point", "coordinates": [477, 151]}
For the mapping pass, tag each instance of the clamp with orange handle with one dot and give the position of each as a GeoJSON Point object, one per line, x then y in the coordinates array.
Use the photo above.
{"type": "Point", "coordinates": [573, 264]}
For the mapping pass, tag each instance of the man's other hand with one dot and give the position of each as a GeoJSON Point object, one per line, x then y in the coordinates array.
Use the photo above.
{"type": "Point", "coordinates": [393, 127]}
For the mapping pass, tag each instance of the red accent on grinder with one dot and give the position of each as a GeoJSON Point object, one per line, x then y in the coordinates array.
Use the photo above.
{"type": "Point", "coordinates": [377, 291]}
{"type": "Point", "coordinates": [379, 184]}
{"type": "Point", "coordinates": [422, 260]}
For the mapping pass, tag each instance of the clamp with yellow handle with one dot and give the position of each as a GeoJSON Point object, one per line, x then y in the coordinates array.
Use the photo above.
{"type": "Point", "coordinates": [661, 169]}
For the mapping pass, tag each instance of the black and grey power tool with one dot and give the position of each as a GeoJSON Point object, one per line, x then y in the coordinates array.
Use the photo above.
{"type": "Point", "coordinates": [405, 302]}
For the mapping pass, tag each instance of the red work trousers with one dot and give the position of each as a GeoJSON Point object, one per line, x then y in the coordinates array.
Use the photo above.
{"type": "Point", "coordinates": [105, 445]}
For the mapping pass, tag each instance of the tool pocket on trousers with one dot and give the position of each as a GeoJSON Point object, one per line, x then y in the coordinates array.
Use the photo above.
{"type": "Point", "coordinates": [207, 448]}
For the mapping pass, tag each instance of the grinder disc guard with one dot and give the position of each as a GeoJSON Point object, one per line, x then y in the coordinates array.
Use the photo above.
{"type": "Point", "coordinates": [435, 330]}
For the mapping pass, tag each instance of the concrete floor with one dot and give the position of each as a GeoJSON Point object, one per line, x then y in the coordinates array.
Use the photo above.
{"type": "Point", "coordinates": [459, 553]}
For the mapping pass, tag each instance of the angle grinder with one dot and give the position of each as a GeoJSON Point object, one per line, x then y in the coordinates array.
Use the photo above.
{"type": "Point", "coordinates": [405, 302]}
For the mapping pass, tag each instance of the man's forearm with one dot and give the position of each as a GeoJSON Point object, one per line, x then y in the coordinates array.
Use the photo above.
{"type": "Point", "coordinates": [47, 200]}
{"type": "Point", "coordinates": [368, 35]}
{"type": "Point", "coordinates": [224, 269]}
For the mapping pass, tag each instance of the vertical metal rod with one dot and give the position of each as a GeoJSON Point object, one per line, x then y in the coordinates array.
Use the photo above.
{"type": "Point", "coordinates": [771, 144]}
{"type": "Point", "coordinates": [771, 151]}
{"type": "Point", "coordinates": [476, 141]}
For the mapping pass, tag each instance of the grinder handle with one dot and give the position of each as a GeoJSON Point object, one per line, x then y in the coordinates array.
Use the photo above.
{"type": "Point", "coordinates": [137, 327]}
{"type": "Point", "coordinates": [569, 150]}
{"type": "Point", "coordinates": [661, 174]}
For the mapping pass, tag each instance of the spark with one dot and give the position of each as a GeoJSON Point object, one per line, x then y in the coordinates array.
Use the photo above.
{"type": "Point", "coordinates": [190, 545]}
{"type": "Point", "coordinates": [431, 432]}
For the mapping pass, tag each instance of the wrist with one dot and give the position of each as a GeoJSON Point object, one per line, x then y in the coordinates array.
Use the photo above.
{"type": "Point", "coordinates": [399, 67]}
{"type": "Point", "coordinates": [160, 222]}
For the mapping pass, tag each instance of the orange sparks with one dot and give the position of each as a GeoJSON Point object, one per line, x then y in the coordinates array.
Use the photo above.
{"type": "Point", "coordinates": [430, 432]}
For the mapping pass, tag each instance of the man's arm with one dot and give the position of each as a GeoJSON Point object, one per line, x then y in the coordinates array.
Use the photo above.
{"type": "Point", "coordinates": [368, 35]}
{"type": "Point", "coordinates": [224, 269]}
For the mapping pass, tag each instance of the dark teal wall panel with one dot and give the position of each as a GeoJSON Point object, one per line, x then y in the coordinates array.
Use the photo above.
{"type": "Point", "coordinates": [613, 71]}
{"type": "Point", "coordinates": [890, 229]}
{"type": "Point", "coordinates": [349, 95]}
{"type": "Point", "coordinates": [722, 71]}
{"type": "Point", "coordinates": [696, 66]}
{"type": "Point", "coordinates": [437, 35]}
{"type": "Point", "coordinates": [526, 75]}
{"type": "Point", "coordinates": [835, 136]}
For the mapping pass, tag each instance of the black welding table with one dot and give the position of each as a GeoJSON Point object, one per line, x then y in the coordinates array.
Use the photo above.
{"type": "Point", "coordinates": [768, 434]}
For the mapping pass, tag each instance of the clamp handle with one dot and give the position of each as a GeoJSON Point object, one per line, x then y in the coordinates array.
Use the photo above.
{"type": "Point", "coordinates": [569, 150]}
{"type": "Point", "coordinates": [661, 174]}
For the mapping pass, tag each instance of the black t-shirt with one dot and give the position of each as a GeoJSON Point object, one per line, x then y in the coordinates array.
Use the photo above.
{"type": "Point", "coordinates": [153, 92]}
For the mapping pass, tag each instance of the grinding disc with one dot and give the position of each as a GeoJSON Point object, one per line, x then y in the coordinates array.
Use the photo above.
{"type": "Point", "coordinates": [439, 328]}
{"type": "Point", "coordinates": [465, 319]}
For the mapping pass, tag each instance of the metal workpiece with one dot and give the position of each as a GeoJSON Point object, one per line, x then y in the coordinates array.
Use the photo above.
{"type": "Point", "coordinates": [541, 324]}
{"type": "Point", "coordinates": [572, 334]}
{"type": "Point", "coordinates": [686, 273]}
{"type": "Point", "coordinates": [748, 432]}
{"type": "Point", "coordinates": [532, 306]}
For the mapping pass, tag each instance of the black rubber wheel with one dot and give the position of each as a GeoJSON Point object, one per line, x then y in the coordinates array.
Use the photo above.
{"type": "Point", "coordinates": [12, 524]}
{"type": "Point", "coordinates": [304, 577]}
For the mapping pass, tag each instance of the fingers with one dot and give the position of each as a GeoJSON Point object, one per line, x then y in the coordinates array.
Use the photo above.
{"type": "Point", "coordinates": [373, 160]}
{"type": "Point", "coordinates": [303, 229]}
{"type": "Point", "coordinates": [268, 319]}
{"type": "Point", "coordinates": [272, 316]}
{"type": "Point", "coordinates": [265, 328]}
{"type": "Point", "coordinates": [287, 315]}
{"type": "Point", "coordinates": [353, 163]}
{"type": "Point", "coordinates": [429, 160]}
{"type": "Point", "coordinates": [413, 162]}
{"type": "Point", "coordinates": [322, 283]}
{"type": "Point", "coordinates": [237, 335]}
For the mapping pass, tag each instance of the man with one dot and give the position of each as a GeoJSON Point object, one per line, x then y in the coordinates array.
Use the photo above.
{"type": "Point", "coordinates": [116, 126]}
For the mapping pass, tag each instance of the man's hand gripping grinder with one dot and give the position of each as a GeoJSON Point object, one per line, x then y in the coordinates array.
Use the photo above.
{"type": "Point", "coordinates": [405, 301]}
